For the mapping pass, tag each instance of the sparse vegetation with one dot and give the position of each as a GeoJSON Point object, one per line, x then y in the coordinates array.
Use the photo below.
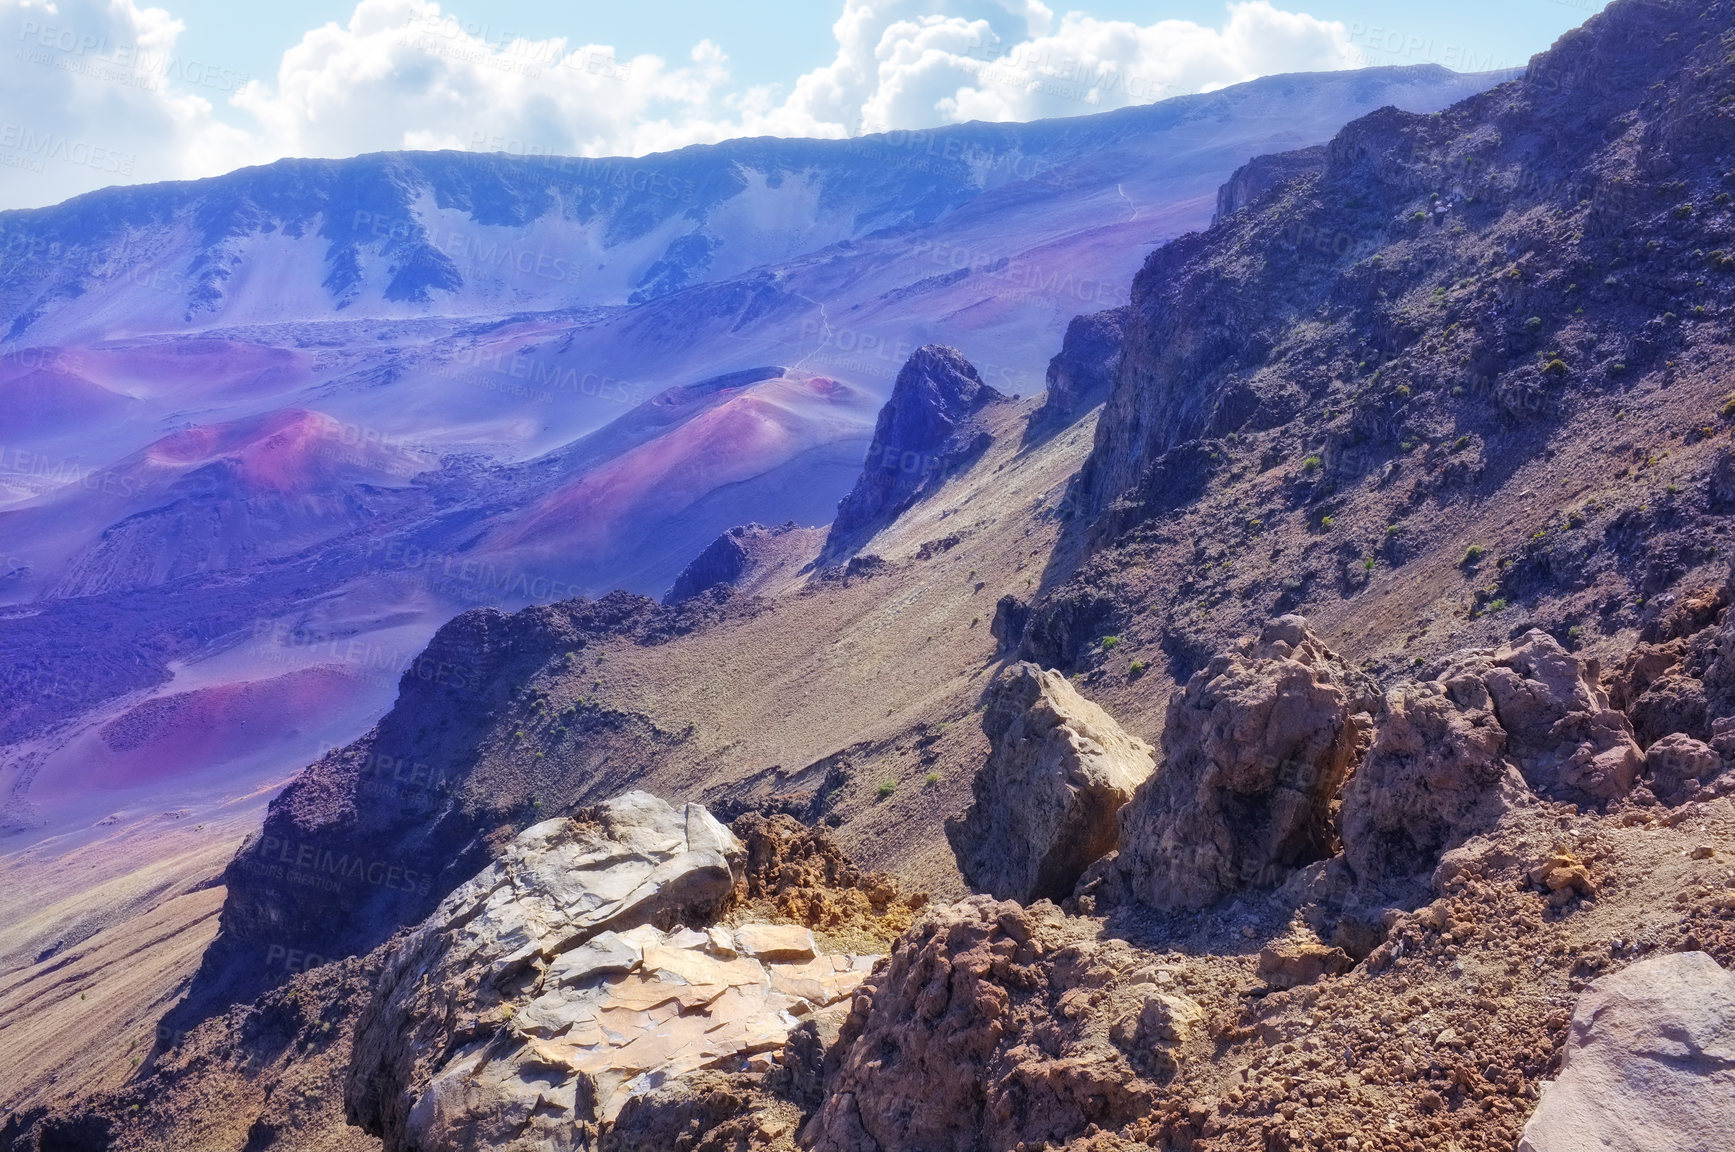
{"type": "Point", "coordinates": [1312, 464]}
{"type": "Point", "coordinates": [1109, 642]}
{"type": "Point", "coordinates": [885, 790]}
{"type": "Point", "coordinates": [1137, 668]}
{"type": "Point", "coordinates": [1472, 556]}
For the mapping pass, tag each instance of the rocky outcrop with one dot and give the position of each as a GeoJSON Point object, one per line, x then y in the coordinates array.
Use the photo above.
{"type": "Point", "coordinates": [1673, 681]}
{"type": "Point", "coordinates": [1255, 749]}
{"type": "Point", "coordinates": [799, 873]}
{"type": "Point", "coordinates": [1649, 1063]}
{"type": "Point", "coordinates": [1080, 376]}
{"type": "Point", "coordinates": [1046, 802]}
{"type": "Point", "coordinates": [926, 430]}
{"type": "Point", "coordinates": [1257, 178]}
{"type": "Point", "coordinates": [1561, 731]}
{"type": "Point", "coordinates": [1720, 484]}
{"type": "Point", "coordinates": [1007, 627]}
{"type": "Point", "coordinates": [743, 556]}
{"type": "Point", "coordinates": [1435, 776]}
{"type": "Point", "coordinates": [570, 977]}
{"type": "Point", "coordinates": [938, 1054]}
{"type": "Point", "coordinates": [1060, 628]}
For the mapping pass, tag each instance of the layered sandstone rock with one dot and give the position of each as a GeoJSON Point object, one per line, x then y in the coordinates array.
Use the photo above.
{"type": "Point", "coordinates": [1047, 799]}
{"type": "Point", "coordinates": [1255, 750]}
{"type": "Point", "coordinates": [1649, 1064]}
{"type": "Point", "coordinates": [557, 986]}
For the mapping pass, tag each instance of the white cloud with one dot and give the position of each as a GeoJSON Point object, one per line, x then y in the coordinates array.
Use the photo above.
{"type": "Point", "coordinates": [94, 93]}
{"type": "Point", "coordinates": [97, 93]}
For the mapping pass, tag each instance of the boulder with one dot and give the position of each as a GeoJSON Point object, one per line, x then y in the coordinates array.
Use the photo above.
{"type": "Point", "coordinates": [559, 985]}
{"type": "Point", "coordinates": [1434, 777]}
{"type": "Point", "coordinates": [1566, 739]}
{"type": "Point", "coordinates": [1254, 752]}
{"type": "Point", "coordinates": [1285, 966]}
{"type": "Point", "coordinates": [1677, 764]}
{"type": "Point", "coordinates": [1649, 1064]}
{"type": "Point", "coordinates": [1720, 675]}
{"type": "Point", "coordinates": [1046, 802]}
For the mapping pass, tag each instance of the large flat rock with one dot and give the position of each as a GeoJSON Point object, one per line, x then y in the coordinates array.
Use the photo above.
{"type": "Point", "coordinates": [1649, 1065]}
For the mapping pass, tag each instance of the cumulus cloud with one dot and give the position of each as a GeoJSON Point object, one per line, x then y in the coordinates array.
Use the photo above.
{"type": "Point", "coordinates": [95, 93]}
{"type": "Point", "coordinates": [98, 94]}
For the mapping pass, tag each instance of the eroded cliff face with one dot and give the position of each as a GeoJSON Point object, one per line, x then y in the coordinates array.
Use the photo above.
{"type": "Point", "coordinates": [373, 835]}
{"type": "Point", "coordinates": [1414, 252]}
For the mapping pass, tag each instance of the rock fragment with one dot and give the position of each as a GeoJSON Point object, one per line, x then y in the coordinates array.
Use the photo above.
{"type": "Point", "coordinates": [1046, 801]}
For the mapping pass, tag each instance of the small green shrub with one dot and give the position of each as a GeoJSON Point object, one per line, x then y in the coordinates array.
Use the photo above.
{"type": "Point", "coordinates": [1109, 642]}
{"type": "Point", "coordinates": [1328, 522]}
{"type": "Point", "coordinates": [1495, 606]}
{"type": "Point", "coordinates": [885, 789]}
{"type": "Point", "coordinates": [1729, 407]}
{"type": "Point", "coordinates": [1534, 323]}
{"type": "Point", "coordinates": [1402, 391]}
{"type": "Point", "coordinates": [933, 780]}
{"type": "Point", "coordinates": [1137, 668]}
{"type": "Point", "coordinates": [1312, 464]}
{"type": "Point", "coordinates": [1460, 443]}
{"type": "Point", "coordinates": [1556, 367]}
{"type": "Point", "coordinates": [1472, 555]}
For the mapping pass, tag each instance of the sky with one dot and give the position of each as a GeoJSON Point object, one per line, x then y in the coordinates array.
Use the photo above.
{"type": "Point", "coordinates": [100, 92]}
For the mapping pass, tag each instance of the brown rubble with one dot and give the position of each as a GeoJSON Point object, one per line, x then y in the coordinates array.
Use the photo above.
{"type": "Point", "coordinates": [995, 1026]}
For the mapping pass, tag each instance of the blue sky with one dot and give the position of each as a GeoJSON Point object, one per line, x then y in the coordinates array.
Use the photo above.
{"type": "Point", "coordinates": [775, 40]}
{"type": "Point", "coordinates": [99, 92]}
